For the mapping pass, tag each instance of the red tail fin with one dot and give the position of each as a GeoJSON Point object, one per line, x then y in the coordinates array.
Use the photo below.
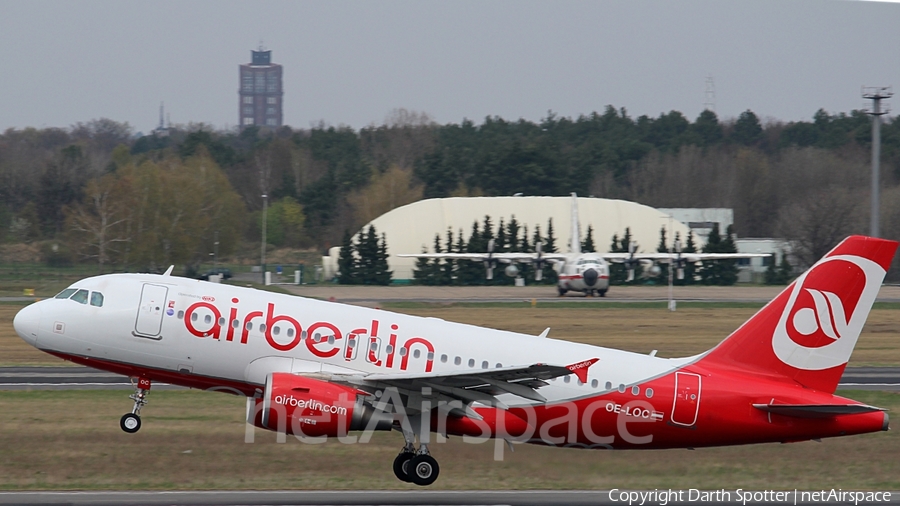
{"type": "Point", "coordinates": [808, 332]}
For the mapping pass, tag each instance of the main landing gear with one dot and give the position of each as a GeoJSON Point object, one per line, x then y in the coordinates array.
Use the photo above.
{"type": "Point", "coordinates": [415, 466]}
{"type": "Point", "coordinates": [131, 422]}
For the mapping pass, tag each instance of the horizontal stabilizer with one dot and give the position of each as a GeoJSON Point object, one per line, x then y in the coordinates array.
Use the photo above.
{"type": "Point", "coordinates": [816, 410]}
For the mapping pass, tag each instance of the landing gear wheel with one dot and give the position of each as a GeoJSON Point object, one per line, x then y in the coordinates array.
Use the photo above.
{"type": "Point", "coordinates": [562, 291]}
{"type": "Point", "coordinates": [602, 293]}
{"type": "Point", "coordinates": [401, 466]}
{"type": "Point", "coordinates": [423, 470]}
{"type": "Point", "coordinates": [130, 423]}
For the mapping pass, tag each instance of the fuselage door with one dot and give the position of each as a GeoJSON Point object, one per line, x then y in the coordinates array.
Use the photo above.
{"type": "Point", "coordinates": [150, 311]}
{"type": "Point", "coordinates": [687, 398]}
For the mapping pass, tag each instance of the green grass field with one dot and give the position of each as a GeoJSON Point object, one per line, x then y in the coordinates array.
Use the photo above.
{"type": "Point", "coordinates": [70, 440]}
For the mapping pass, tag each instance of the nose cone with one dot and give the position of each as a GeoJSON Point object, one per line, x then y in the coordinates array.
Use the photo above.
{"type": "Point", "coordinates": [590, 277]}
{"type": "Point", "coordinates": [27, 322]}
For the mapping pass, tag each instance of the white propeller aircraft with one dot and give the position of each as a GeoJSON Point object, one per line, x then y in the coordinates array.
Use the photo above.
{"type": "Point", "coordinates": [323, 369]}
{"type": "Point", "coordinates": [582, 272]}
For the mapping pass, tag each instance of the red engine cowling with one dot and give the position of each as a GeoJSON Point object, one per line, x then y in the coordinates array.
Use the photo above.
{"type": "Point", "coordinates": [309, 407]}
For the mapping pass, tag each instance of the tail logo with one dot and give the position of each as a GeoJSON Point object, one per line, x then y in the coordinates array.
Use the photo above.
{"type": "Point", "coordinates": [827, 316]}
{"type": "Point", "coordinates": [825, 312]}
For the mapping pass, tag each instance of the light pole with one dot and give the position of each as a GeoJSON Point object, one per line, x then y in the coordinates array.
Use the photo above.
{"type": "Point", "coordinates": [671, 266]}
{"type": "Point", "coordinates": [263, 247]}
{"type": "Point", "coordinates": [876, 95]}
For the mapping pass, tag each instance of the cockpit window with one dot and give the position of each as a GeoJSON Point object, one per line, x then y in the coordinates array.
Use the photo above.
{"type": "Point", "coordinates": [81, 296]}
{"type": "Point", "coordinates": [97, 299]}
{"type": "Point", "coordinates": [65, 294]}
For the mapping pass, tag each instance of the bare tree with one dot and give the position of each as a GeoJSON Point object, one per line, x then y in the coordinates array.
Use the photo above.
{"type": "Point", "coordinates": [817, 222]}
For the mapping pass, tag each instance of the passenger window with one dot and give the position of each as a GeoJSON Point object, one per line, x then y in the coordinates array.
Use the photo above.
{"type": "Point", "coordinates": [97, 299]}
{"type": "Point", "coordinates": [65, 294]}
{"type": "Point", "coordinates": [81, 297]}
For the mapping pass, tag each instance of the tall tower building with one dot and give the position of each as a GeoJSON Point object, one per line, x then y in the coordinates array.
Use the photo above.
{"type": "Point", "coordinates": [260, 91]}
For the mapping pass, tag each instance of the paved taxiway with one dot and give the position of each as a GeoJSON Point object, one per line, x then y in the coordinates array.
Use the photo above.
{"type": "Point", "coordinates": [361, 497]}
{"type": "Point", "coordinates": [85, 378]}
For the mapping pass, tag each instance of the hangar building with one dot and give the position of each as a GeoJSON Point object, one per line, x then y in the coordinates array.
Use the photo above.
{"type": "Point", "coordinates": [410, 228]}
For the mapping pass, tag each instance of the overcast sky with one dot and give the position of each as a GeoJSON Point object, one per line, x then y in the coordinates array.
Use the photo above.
{"type": "Point", "coordinates": [352, 63]}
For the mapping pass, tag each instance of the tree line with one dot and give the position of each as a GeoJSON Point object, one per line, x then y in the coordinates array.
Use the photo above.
{"type": "Point", "coordinates": [805, 181]}
{"type": "Point", "coordinates": [513, 238]}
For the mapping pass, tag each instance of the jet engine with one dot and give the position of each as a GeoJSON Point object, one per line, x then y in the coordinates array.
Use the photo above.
{"type": "Point", "coordinates": [309, 407]}
{"type": "Point", "coordinates": [511, 270]}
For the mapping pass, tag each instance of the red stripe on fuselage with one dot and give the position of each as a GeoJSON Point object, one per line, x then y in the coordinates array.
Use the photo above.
{"type": "Point", "coordinates": [189, 380]}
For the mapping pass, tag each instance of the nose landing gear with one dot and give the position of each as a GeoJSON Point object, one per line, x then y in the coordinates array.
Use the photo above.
{"type": "Point", "coordinates": [131, 422]}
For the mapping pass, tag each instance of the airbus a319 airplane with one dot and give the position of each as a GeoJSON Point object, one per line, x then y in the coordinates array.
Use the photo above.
{"type": "Point", "coordinates": [585, 272]}
{"type": "Point", "coordinates": [324, 369]}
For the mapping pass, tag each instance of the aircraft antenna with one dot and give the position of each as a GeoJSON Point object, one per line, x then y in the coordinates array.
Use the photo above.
{"type": "Point", "coordinates": [709, 98]}
{"type": "Point", "coordinates": [876, 95]}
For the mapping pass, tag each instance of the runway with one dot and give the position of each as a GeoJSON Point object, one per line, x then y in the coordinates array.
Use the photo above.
{"type": "Point", "coordinates": [85, 378]}
{"type": "Point", "coordinates": [366, 497]}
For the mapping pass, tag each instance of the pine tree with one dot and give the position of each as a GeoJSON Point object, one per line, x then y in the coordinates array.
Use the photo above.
{"type": "Point", "coordinates": [512, 235]}
{"type": "Point", "coordinates": [690, 269]}
{"type": "Point", "coordinates": [347, 261]}
{"type": "Point", "coordinates": [728, 269]}
{"type": "Point", "coordinates": [771, 276]}
{"type": "Point", "coordinates": [368, 256]}
{"type": "Point", "coordinates": [549, 275]}
{"type": "Point", "coordinates": [719, 272]}
{"type": "Point", "coordinates": [526, 269]}
{"type": "Point", "coordinates": [500, 245]}
{"type": "Point", "coordinates": [459, 247]}
{"type": "Point", "coordinates": [449, 265]}
{"type": "Point", "coordinates": [428, 271]}
{"type": "Point", "coordinates": [382, 275]}
{"type": "Point", "coordinates": [625, 247]}
{"type": "Point", "coordinates": [785, 270]}
{"type": "Point", "coordinates": [422, 272]}
{"type": "Point", "coordinates": [587, 246]}
{"type": "Point", "coordinates": [470, 272]}
{"type": "Point", "coordinates": [663, 248]}
{"type": "Point", "coordinates": [550, 242]}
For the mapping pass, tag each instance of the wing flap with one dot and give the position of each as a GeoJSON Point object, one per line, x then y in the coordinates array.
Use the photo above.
{"type": "Point", "coordinates": [469, 386]}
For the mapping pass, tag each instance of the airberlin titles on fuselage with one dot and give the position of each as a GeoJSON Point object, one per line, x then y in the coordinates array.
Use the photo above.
{"type": "Point", "coordinates": [323, 339]}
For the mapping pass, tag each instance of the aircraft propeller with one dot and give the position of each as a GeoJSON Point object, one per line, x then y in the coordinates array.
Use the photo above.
{"type": "Point", "coordinates": [539, 263]}
{"type": "Point", "coordinates": [490, 262]}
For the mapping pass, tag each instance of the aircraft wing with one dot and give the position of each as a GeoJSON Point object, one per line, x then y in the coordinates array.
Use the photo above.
{"type": "Point", "coordinates": [478, 385]}
{"type": "Point", "coordinates": [502, 257]}
{"type": "Point", "coordinates": [668, 257]}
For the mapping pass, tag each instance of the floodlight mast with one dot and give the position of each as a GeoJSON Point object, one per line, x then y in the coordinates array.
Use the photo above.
{"type": "Point", "coordinates": [876, 95]}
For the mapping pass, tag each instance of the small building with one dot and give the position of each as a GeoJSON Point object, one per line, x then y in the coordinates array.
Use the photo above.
{"type": "Point", "coordinates": [260, 91]}
{"type": "Point", "coordinates": [753, 270]}
{"type": "Point", "coordinates": [702, 220]}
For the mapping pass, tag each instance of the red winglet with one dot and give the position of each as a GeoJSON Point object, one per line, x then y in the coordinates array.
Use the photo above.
{"type": "Point", "coordinates": [580, 369]}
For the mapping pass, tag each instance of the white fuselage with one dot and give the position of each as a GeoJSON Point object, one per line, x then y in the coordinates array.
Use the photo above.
{"type": "Point", "coordinates": [584, 272]}
{"type": "Point", "coordinates": [220, 336]}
